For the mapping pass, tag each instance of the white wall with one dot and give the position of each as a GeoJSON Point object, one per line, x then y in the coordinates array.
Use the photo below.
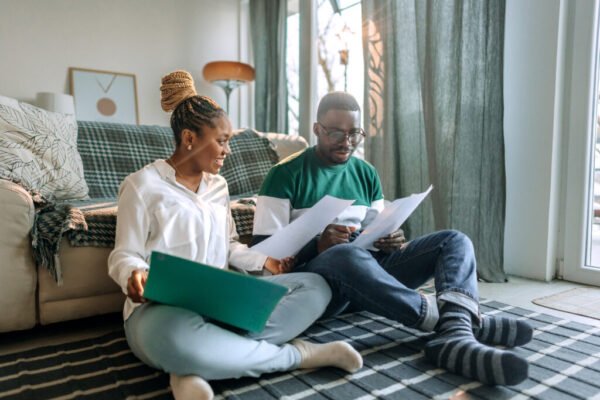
{"type": "Point", "coordinates": [40, 40]}
{"type": "Point", "coordinates": [532, 91]}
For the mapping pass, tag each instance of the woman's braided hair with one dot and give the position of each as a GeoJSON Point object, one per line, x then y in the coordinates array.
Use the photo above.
{"type": "Point", "coordinates": [190, 111]}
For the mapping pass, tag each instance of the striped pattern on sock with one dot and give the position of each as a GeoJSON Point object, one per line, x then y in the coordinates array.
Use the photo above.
{"type": "Point", "coordinates": [503, 331]}
{"type": "Point", "coordinates": [454, 348]}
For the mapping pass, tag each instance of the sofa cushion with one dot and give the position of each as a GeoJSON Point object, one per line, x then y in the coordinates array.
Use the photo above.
{"type": "Point", "coordinates": [251, 158]}
{"type": "Point", "coordinates": [87, 288]}
{"type": "Point", "coordinates": [286, 145]}
{"type": "Point", "coordinates": [110, 152]}
{"type": "Point", "coordinates": [100, 216]}
{"type": "Point", "coordinates": [242, 211]}
{"type": "Point", "coordinates": [38, 150]}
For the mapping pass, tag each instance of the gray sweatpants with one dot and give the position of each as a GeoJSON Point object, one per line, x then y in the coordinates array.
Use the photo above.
{"type": "Point", "coordinates": [182, 342]}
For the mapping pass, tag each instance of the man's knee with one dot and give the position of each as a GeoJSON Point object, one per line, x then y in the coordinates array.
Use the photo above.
{"type": "Point", "coordinates": [459, 240]}
{"type": "Point", "coordinates": [346, 252]}
{"type": "Point", "coordinates": [343, 262]}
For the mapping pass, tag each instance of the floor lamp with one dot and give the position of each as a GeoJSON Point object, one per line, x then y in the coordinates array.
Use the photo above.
{"type": "Point", "coordinates": [228, 75]}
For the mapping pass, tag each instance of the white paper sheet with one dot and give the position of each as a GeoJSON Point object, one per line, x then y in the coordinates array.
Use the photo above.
{"type": "Point", "coordinates": [390, 219]}
{"type": "Point", "coordinates": [290, 239]}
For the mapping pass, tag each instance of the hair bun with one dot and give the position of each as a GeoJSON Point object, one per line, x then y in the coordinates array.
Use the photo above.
{"type": "Point", "coordinates": [176, 87]}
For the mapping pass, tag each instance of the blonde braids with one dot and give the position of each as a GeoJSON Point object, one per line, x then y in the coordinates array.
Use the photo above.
{"type": "Point", "coordinates": [190, 111]}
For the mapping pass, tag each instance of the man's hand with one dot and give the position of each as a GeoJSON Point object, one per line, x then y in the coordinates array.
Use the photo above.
{"type": "Point", "coordinates": [135, 285]}
{"type": "Point", "coordinates": [334, 234]}
{"type": "Point", "coordinates": [282, 266]}
{"type": "Point", "coordinates": [392, 242]}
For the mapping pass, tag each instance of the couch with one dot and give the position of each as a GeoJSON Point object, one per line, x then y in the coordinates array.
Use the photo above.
{"type": "Point", "coordinates": [30, 295]}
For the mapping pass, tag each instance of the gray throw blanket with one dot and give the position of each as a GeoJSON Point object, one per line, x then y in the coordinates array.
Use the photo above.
{"type": "Point", "coordinates": [51, 222]}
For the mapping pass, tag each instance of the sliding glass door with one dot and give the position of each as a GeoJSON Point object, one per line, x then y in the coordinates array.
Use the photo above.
{"type": "Point", "coordinates": [581, 123]}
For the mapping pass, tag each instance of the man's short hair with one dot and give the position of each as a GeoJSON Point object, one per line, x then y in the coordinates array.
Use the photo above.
{"type": "Point", "coordinates": [337, 101]}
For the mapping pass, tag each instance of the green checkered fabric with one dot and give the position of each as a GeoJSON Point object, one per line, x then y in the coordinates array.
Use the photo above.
{"type": "Point", "coordinates": [101, 219]}
{"type": "Point", "coordinates": [100, 216]}
{"type": "Point", "coordinates": [110, 152]}
{"type": "Point", "coordinates": [251, 158]}
{"type": "Point", "coordinates": [242, 211]}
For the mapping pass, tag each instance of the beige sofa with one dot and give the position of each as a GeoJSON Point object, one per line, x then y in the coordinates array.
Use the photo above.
{"type": "Point", "coordinates": [30, 295]}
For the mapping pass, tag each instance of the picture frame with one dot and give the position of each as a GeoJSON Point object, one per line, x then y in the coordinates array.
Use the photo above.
{"type": "Point", "coordinates": [105, 96]}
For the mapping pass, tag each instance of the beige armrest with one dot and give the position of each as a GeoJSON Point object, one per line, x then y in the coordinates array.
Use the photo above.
{"type": "Point", "coordinates": [18, 274]}
{"type": "Point", "coordinates": [286, 145]}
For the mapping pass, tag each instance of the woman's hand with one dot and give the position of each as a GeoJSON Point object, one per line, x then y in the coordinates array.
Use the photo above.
{"type": "Point", "coordinates": [286, 264]}
{"type": "Point", "coordinates": [277, 267]}
{"type": "Point", "coordinates": [135, 285]}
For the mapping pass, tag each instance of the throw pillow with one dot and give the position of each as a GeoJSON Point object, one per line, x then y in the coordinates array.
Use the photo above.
{"type": "Point", "coordinates": [38, 150]}
{"type": "Point", "coordinates": [251, 158]}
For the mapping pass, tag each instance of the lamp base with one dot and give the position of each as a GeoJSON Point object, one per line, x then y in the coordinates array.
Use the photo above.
{"type": "Point", "coordinates": [228, 85]}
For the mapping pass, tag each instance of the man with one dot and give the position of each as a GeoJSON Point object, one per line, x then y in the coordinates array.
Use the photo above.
{"type": "Point", "coordinates": [384, 282]}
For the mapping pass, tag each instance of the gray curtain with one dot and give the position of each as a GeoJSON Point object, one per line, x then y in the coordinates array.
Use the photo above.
{"type": "Point", "coordinates": [268, 25]}
{"type": "Point", "coordinates": [434, 115]}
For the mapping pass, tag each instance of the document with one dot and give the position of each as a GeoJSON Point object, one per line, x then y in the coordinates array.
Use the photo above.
{"type": "Point", "coordinates": [289, 240]}
{"type": "Point", "coordinates": [390, 219]}
{"type": "Point", "coordinates": [239, 300]}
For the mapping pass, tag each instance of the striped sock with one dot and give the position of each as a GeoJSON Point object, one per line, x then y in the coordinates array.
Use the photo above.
{"type": "Point", "coordinates": [455, 349]}
{"type": "Point", "coordinates": [503, 331]}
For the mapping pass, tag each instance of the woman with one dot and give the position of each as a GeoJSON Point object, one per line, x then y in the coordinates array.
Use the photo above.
{"type": "Point", "coordinates": [180, 206]}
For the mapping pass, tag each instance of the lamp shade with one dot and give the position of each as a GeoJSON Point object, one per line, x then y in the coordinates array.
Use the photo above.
{"type": "Point", "coordinates": [56, 102]}
{"type": "Point", "coordinates": [228, 71]}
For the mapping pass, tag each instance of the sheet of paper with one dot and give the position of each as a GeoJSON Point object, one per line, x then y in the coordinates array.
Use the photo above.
{"type": "Point", "coordinates": [290, 239]}
{"type": "Point", "coordinates": [390, 219]}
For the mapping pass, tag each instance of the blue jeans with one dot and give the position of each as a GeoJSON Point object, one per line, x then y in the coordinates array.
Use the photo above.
{"type": "Point", "coordinates": [182, 342]}
{"type": "Point", "coordinates": [385, 284]}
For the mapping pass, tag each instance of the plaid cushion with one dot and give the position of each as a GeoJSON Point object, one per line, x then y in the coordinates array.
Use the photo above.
{"type": "Point", "coordinates": [101, 219]}
{"type": "Point", "coordinates": [242, 211]}
{"type": "Point", "coordinates": [251, 158]}
{"type": "Point", "coordinates": [110, 152]}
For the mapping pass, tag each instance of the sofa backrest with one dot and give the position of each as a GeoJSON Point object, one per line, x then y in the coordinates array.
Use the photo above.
{"type": "Point", "coordinates": [109, 152]}
{"type": "Point", "coordinates": [252, 156]}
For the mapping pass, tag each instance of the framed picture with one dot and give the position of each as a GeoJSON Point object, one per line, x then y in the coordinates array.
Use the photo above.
{"type": "Point", "coordinates": [104, 96]}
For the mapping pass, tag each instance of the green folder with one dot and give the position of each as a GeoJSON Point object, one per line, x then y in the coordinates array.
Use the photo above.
{"type": "Point", "coordinates": [236, 299]}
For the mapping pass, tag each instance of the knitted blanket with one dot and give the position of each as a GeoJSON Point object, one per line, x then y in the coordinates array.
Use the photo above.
{"type": "Point", "coordinates": [50, 224]}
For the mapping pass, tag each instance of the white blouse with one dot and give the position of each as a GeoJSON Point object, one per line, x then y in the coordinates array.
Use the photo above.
{"type": "Point", "coordinates": [157, 213]}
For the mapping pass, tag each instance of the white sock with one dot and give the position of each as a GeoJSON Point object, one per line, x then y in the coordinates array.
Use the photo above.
{"type": "Point", "coordinates": [190, 387]}
{"type": "Point", "coordinates": [334, 354]}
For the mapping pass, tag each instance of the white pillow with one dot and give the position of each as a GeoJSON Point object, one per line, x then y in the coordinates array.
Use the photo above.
{"type": "Point", "coordinates": [38, 149]}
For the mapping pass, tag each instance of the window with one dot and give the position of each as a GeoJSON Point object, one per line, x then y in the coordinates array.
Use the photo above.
{"type": "Point", "coordinates": [339, 52]}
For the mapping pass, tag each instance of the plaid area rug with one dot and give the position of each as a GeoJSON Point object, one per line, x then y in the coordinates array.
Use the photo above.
{"type": "Point", "coordinates": [564, 358]}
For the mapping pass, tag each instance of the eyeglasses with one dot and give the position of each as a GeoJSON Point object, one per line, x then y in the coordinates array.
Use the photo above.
{"type": "Point", "coordinates": [337, 135]}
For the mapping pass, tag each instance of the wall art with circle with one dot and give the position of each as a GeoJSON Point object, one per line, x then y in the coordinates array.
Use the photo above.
{"type": "Point", "coordinates": [104, 96]}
